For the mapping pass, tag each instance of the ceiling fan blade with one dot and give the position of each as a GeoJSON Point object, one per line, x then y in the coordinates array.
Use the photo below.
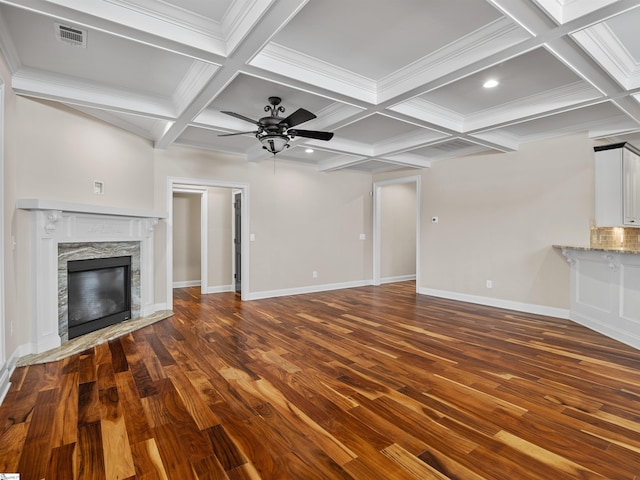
{"type": "Point", "coordinates": [296, 118]}
{"type": "Point", "coordinates": [238, 133]}
{"type": "Point", "coordinates": [241, 117]}
{"type": "Point", "coordinates": [311, 134]}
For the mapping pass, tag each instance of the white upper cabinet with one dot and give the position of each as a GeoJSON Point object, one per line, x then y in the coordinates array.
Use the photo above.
{"type": "Point", "coordinates": [617, 174]}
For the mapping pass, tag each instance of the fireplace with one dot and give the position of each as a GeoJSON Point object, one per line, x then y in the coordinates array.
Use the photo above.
{"type": "Point", "coordinates": [66, 232]}
{"type": "Point", "coordinates": [99, 293]}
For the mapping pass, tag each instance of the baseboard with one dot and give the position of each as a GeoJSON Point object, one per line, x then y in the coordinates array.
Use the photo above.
{"type": "Point", "coordinates": [401, 278]}
{"type": "Point", "coordinates": [622, 335]}
{"type": "Point", "coordinates": [7, 369]}
{"type": "Point", "coordinates": [188, 283]}
{"type": "Point", "coordinates": [310, 289]}
{"type": "Point", "coordinates": [220, 289]}
{"type": "Point", "coordinates": [499, 303]}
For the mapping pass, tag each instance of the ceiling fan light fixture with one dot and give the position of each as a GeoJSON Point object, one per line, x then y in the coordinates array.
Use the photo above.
{"type": "Point", "coordinates": [274, 143]}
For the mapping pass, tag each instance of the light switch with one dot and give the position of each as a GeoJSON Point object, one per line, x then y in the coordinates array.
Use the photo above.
{"type": "Point", "coordinates": [363, 236]}
{"type": "Point", "coordinates": [252, 237]}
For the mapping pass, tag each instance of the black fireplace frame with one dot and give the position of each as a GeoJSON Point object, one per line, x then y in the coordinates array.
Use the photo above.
{"type": "Point", "coordinates": [97, 264]}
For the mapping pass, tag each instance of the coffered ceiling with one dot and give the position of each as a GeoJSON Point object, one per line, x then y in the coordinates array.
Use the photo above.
{"type": "Point", "coordinates": [400, 83]}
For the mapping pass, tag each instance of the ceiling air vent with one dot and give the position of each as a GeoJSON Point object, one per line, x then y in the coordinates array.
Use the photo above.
{"type": "Point", "coordinates": [71, 35]}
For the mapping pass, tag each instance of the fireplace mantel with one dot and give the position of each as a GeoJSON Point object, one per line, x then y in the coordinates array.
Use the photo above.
{"type": "Point", "coordinates": [53, 223]}
{"type": "Point", "coordinates": [39, 204]}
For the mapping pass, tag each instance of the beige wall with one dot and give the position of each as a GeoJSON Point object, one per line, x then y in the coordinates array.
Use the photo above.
{"type": "Point", "coordinates": [303, 220]}
{"type": "Point", "coordinates": [398, 230]}
{"type": "Point", "coordinates": [220, 254]}
{"type": "Point", "coordinates": [186, 239]}
{"type": "Point", "coordinates": [498, 217]}
{"type": "Point", "coordinates": [56, 155]}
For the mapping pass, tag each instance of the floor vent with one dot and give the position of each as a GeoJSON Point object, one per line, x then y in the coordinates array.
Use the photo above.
{"type": "Point", "coordinates": [71, 35]}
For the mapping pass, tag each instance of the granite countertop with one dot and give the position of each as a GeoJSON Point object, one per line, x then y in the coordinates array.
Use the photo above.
{"type": "Point", "coordinates": [599, 249]}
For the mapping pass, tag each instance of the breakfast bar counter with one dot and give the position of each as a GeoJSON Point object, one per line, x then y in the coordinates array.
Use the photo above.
{"type": "Point", "coordinates": [605, 290]}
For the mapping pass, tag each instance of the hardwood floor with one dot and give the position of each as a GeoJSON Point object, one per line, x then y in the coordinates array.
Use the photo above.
{"type": "Point", "coordinates": [366, 383]}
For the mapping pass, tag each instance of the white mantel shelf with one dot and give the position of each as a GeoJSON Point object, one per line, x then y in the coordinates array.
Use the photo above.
{"type": "Point", "coordinates": [39, 204]}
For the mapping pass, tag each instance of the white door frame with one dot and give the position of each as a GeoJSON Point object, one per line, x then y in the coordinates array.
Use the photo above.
{"type": "Point", "coordinates": [377, 212]}
{"type": "Point", "coordinates": [204, 230]}
{"type": "Point", "coordinates": [178, 182]}
{"type": "Point", "coordinates": [3, 332]}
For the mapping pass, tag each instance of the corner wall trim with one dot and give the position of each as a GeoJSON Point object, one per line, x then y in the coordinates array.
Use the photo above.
{"type": "Point", "coordinates": [498, 303]}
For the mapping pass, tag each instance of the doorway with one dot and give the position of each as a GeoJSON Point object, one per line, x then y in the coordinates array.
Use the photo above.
{"type": "Point", "coordinates": [200, 186]}
{"type": "Point", "coordinates": [413, 184]}
{"type": "Point", "coordinates": [190, 218]}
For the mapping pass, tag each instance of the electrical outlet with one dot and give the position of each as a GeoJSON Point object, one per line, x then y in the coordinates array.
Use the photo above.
{"type": "Point", "coordinates": [489, 284]}
{"type": "Point", "coordinates": [314, 274]}
{"type": "Point", "coordinates": [363, 236]}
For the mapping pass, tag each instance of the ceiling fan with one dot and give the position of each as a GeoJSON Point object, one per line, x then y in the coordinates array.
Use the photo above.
{"type": "Point", "coordinates": [274, 132]}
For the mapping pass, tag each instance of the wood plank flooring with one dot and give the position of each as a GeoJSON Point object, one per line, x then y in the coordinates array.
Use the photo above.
{"type": "Point", "coordinates": [366, 383]}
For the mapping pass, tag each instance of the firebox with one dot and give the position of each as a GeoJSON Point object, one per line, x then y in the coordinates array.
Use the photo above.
{"type": "Point", "coordinates": [99, 293]}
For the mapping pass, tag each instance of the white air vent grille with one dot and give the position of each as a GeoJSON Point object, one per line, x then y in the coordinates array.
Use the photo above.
{"type": "Point", "coordinates": [71, 35]}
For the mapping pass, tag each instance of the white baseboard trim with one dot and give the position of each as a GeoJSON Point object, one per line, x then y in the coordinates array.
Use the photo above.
{"type": "Point", "coordinates": [401, 278]}
{"type": "Point", "coordinates": [9, 366]}
{"type": "Point", "coordinates": [499, 303]}
{"type": "Point", "coordinates": [220, 289]}
{"type": "Point", "coordinates": [188, 283]}
{"type": "Point", "coordinates": [310, 289]}
{"type": "Point", "coordinates": [622, 335]}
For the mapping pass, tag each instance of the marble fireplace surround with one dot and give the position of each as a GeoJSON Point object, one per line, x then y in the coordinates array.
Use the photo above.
{"type": "Point", "coordinates": [61, 231]}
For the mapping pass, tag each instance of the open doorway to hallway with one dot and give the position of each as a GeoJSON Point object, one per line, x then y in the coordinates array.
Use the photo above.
{"type": "Point", "coordinates": [202, 243]}
{"type": "Point", "coordinates": [396, 235]}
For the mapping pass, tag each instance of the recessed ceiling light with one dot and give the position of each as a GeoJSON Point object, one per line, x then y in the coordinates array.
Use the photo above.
{"type": "Point", "coordinates": [308, 150]}
{"type": "Point", "coordinates": [491, 83]}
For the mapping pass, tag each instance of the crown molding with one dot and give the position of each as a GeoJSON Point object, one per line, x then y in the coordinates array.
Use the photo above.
{"type": "Point", "coordinates": [406, 160]}
{"type": "Point", "coordinates": [501, 139]}
{"type": "Point", "coordinates": [291, 63]}
{"type": "Point", "coordinates": [194, 80]}
{"type": "Point", "coordinates": [61, 88]}
{"type": "Point", "coordinates": [408, 141]}
{"type": "Point", "coordinates": [340, 162]}
{"type": "Point", "coordinates": [240, 19]}
{"type": "Point", "coordinates": [563, 11]}
{"type": "Point", "coordinates": [8, 48]}
{"type": "Point", "coordinates": [430, 112]}
{"type": "Point", "coordinates": [533, 105]}
{"type": "Point", "coordinates": [606, 49]}
{"type": "Point", "coordinates": [120, 122]}
{"type": "Point", "coordinates": [156, 18]}
{"type": "Point", "coordinates": [478, 45]}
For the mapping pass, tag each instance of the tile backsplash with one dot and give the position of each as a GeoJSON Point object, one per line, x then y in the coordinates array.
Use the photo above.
{"type": "Point", "coordinates": [615, 237]}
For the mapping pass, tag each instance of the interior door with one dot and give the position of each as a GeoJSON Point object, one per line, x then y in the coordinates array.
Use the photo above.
{"type": "Point", "coordinates": [237, 203]}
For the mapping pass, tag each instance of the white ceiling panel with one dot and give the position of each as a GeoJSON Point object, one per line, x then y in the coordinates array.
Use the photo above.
{"type": "Point", "coordinates": [399, 83]}
{"type": "Point", "coordinates": [374, 39]}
